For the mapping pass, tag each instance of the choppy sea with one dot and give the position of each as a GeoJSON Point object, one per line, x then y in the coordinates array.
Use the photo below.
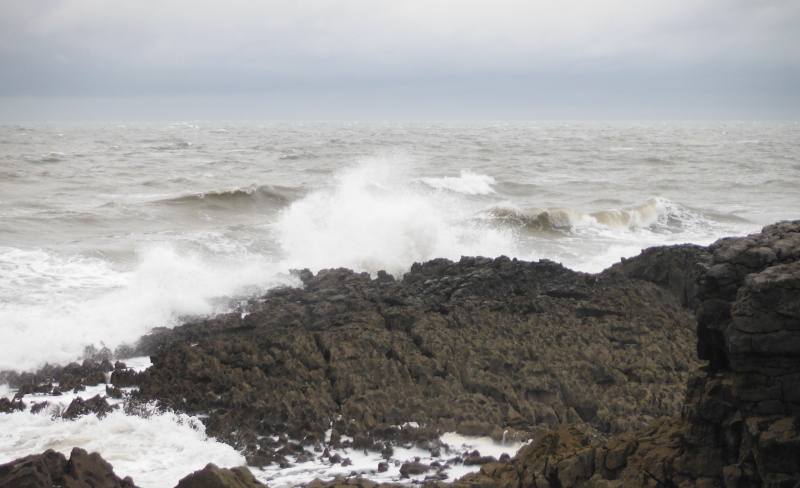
{"type": "Point", "coordinates": [108, 230]}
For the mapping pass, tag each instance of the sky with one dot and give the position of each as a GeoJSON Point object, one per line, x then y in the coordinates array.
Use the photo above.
{"type": "Point", "coordinates": [82, 60]}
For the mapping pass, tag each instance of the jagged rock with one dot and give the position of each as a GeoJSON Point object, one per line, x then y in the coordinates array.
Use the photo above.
{"type": "Point", "coordinates": [740, 424]}
{"type": "Point", "coordinates": [9, 406]}
{"type": "Point", "coordinates": [78, 407]}
{"type": "Point", "coordinates": [73, 376]}
{"type": "Point", "coordinates": [523, 348]}
{"type": "Point", "coordinates": [675, 268]}
{"type": "Point", "coordinates": [51, 469]}
{"type": "Point", "coordinates": [733, 262]}
{"type": "Point", "coordinates": [477, 346]}
{"type": "Point", "coordinates": [213, 477]}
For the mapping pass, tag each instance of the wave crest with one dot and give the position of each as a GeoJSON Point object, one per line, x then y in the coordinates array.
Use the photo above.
{"type": "Point", "coordinates": [468, 183]}
{"type": "Point", "coordinates": [656, 214]}
{"type": "Point", "coordinates": [258, 195]}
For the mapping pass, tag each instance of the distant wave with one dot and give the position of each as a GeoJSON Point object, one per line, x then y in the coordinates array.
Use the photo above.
{"type": "Point", "coordinates": [51, 157]}
{"type": "Point", "coordinates": [656, 214]}
{"type": "Point", "coordinates": [468, 183]}
{"type": "Point", "coordinates": [260, 195]}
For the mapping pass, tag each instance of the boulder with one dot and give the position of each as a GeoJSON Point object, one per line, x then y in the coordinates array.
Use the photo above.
{"type": "Point", "coordinates": [52, 468]}
{"type": "Point", "coordinates": [213, 477]}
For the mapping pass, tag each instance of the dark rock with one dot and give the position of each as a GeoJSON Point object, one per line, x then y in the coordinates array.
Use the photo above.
{"type": "Point", "coordinates": [675, 268]}
{"type": "Point", "coordinates": [96, 405]}
{"type": "Point", "coordinates": [113, 392]}
{"type": "Point", "coordinates": [38, 407]}
{"type": "Point", "coordinates": [51, 469]}
{"type": "Point", "coordinates": [740, 424]}
{"type": "Point", "coordinates": [9, 406]}
{"type": "Point", "coordinates": [737, 263]}
{"type": "Point", "coordinates": [478, 346]}
{"type": "Point", "coordinates": [213, 477]}
{"type": "Point", "coordinates": [479, 460]}
{"type": "Point", "coordinates": [74, 377]}
{"type": "Point", "coordinates": [412, 469]}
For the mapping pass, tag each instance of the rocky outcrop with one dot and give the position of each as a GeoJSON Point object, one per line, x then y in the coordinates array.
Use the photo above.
{"type": "Point", "coordinates": [674, 268]}
{"type": "Point", "coordinates": [750, 265]}
{"type": "Point", "coordinates": [52, 468]}
{"type": "Point", "coordinates": [483, 347]}
{"type": "Point", "coordinates": [213, 477]}
{"type": "Point", "coordinates": [739, 426]}
{"type": "Point", "coordinates": [510, 349]}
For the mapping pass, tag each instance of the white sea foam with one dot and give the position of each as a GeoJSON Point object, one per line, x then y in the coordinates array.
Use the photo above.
{"type": "Point", "coordinates": [365, 463]}
{"type": "Point", "coordinates": [374, 217]}
{"type": "Point", "coordinates": [156, 451]}
{"type": "Point", "coordinates": [55, 305]}
{"type": "Point", "coordinates": [468, 183]}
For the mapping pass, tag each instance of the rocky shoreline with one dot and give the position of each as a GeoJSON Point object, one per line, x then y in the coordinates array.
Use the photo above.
{"type": "Point", "coordinates": [606, 372]}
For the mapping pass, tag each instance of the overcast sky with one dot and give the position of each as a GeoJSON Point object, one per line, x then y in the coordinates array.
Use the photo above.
{"type": "Point", "coordinates": [399, 60]}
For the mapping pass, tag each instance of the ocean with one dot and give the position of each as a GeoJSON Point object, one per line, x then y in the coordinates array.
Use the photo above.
{"type": "Point", "coordinates": [109, 230]}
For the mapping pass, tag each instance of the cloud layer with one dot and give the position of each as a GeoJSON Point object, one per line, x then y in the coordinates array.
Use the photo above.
{"type": "Point", "coordinates": [355, 53]}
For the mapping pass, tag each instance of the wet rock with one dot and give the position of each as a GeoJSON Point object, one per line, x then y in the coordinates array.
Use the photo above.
{"type": "Point", "coordinates": [38, 407]}
{"type": "Point", "coordinates": [51, 469]}
{"type": "Point", "coordinates": [479, 346]}
{"type": "Point", "coordinates": [78, 407]}
{"type": "Point", "coordinates": [213, 477]}
{"type": "Point", "coordinates": [479, 460]}
{"type": "Point", "coordinates": [53, 379]}
{"type": "Point", "coordinates": [675, 268]}
{"type": "Point", "coordinates": [740, 422]}
{"type": "Point", "coordinates": [412, 469]}
{"type": "Point", "coordinates": [9, 406]}
{"type": "Point", "coordinates": [113, 392]}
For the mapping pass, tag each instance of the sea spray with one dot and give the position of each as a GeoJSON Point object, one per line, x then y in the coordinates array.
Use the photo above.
{"type": "Point", "coordinates": [84, 301]}
{"type": "Point", "coordinates": [375, 217]}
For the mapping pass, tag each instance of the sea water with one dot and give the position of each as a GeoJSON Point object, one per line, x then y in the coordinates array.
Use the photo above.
{"type": "Point", "coordinates": [109, 230]}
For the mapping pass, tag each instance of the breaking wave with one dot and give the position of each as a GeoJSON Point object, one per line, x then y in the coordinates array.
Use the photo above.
{"type": "Point", "coordinates": [656, 214]}
{"type": "Point", "coordinates": [376, 217]}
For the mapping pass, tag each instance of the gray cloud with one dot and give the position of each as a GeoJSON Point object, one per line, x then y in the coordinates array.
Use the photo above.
{"type": "Point", "coordinates": [501, 53]}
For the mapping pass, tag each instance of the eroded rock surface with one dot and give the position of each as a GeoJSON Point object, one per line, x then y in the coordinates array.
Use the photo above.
{"type": "Point", "coordinates": [482, 347]}
{"type": "Point", "coordinates": [517, 349]}
{"type": "Point", "coordinates": [740, 424]}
